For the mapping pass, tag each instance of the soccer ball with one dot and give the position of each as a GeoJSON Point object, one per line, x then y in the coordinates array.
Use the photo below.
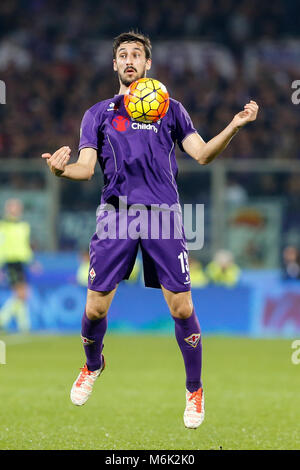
{"type": "Point", "coordinates": [147, 100]}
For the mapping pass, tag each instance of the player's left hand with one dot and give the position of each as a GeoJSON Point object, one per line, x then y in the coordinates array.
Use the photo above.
{"type": "Point", "coordinates": [247, 115]}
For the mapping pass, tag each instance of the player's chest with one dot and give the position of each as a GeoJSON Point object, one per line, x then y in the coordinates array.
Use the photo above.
{"type": "Point", "coordinates": [118, 126]}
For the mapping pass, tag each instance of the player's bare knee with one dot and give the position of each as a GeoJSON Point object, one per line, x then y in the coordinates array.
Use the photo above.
{"type": "Point", "coordinates": [98, 303]}
{"type": "Point", "coordinates": [181, 309]}
{"type": "Point", "coordinates": [95, 312]}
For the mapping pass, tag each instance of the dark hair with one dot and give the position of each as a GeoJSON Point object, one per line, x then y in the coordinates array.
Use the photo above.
{"type": "Point", "coordinates": [133, 36]}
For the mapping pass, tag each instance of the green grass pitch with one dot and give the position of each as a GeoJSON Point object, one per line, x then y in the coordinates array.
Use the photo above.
{"type": "Point", "coordinates": [251, 390]}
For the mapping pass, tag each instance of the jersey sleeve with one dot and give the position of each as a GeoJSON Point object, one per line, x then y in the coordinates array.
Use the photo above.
{"type": "Point", "coordinates": [88, 131]}
{"type": "Point", "coordinates": [184, 125]}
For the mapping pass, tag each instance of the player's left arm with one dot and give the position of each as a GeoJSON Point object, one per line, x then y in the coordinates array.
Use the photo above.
{"type": "Point", "coordinates": [204, 152]}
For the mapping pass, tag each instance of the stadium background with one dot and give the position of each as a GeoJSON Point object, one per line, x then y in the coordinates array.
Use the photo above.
{"type": "Point", "coordinates": [213, 56]}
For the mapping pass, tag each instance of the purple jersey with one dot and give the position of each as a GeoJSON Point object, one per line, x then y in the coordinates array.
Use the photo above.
{"type": "Point", "coordinates": [138, 160]}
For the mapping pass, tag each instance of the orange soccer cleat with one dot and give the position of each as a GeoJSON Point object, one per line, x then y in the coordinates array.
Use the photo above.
{"type": "Point", "coordinates": [194, 410]}
{"type": "Point", "coordinates": [83, 385]}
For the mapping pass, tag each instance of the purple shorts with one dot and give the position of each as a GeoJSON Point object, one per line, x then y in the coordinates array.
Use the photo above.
{"type": "Point", "coordinates": [160, 236]}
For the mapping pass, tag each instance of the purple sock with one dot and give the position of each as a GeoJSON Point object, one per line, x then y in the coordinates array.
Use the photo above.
{"type": "Point", "coordinates": [92, 334]}
{"type": "Point", "coordinates": [188, 335]}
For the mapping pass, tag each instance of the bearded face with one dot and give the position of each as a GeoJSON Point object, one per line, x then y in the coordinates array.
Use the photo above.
{"type": "Point", "coordinates": [130, 62]}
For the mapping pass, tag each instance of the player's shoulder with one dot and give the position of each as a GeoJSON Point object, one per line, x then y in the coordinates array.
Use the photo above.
{"type": "Point", "coordinates": [176, 109]}
{"type": "Point", "coordinates": [99, 107]}
{"type": "Point", "coordinates": [174, 104]}
{"type": "Point", "coordinates": [104, 106]}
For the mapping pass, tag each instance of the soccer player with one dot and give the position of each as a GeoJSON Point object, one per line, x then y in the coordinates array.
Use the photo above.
{"type": "Point", "coordinates": [139, 163]}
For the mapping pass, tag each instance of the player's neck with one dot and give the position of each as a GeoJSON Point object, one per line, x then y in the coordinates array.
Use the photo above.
{"type": "Point", "coordinates": [123, 89]}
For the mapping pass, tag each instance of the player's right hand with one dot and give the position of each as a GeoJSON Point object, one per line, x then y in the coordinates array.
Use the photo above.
{"type": "Point", "coordinates": [58, 160]}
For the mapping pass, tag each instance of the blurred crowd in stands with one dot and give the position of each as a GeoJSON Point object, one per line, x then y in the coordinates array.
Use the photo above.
{"type": "Point", "coordinates": [55, 58]}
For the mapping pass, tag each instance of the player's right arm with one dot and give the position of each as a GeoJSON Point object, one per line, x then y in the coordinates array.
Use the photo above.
{"type": "Point", "coordinates": [82, 170]}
